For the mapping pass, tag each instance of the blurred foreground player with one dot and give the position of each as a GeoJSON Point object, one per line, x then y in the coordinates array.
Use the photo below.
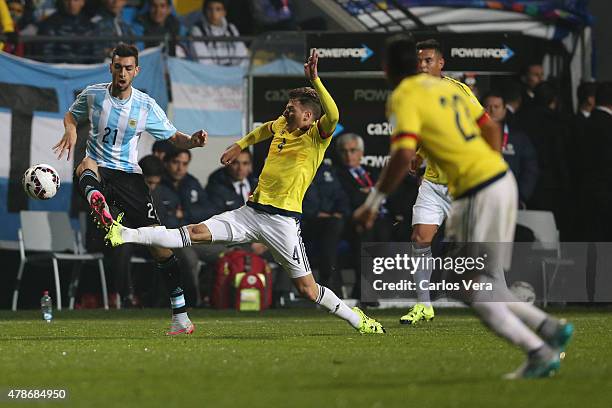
{"type": "Point", "coordinates": [272, 214]}
{"type": "Point", "coordinates": [119, 114]}
{"type": "Point", "coordinates": [433, 202]}
{"type": "Point", "coordinates": [443, 120]}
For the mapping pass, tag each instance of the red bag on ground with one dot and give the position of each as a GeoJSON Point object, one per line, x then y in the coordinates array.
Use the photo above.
{"type": "Point", "coordinates": [233, 269]}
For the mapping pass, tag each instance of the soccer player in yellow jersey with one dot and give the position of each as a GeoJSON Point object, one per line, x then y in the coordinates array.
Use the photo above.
{"type": "Point", "coordinates": [433, 202]}
{"type": "Point", "coordinates": [452, 131]}
{"type": "Point", "coordinates": [271, 216]}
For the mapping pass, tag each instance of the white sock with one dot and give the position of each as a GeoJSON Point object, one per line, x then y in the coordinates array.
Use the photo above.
{"type": "Point", "coordinates": [528, 313]}
{"type": "Point", "coordinates": [500, 319]}
{"type": "Point", "coordinates": [181, 317]}
{"type": "Point", "coordinates": [328, 299]}
{"type": "Point", "coordinates": [422, 275]}
{"type": "Point", "coordinates": [157, 236]}
{"type": "Point", "coordinates": [90, 193]}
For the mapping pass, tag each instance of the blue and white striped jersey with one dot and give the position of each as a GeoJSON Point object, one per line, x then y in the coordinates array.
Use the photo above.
{"type": "Point", "coordinates": [116, 125]}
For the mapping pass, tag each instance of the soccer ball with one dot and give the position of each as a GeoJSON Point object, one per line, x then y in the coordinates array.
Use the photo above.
{"type": "Point", "coordinates": [41, 182]}
{"type": "Point", "coordinates": [523, 291]}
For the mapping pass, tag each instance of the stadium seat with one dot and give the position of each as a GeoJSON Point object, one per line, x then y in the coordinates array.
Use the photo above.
{"type": "Point", "coordinates": [544, 228]}
{"type": "Point", "coordinates": [47, 236]}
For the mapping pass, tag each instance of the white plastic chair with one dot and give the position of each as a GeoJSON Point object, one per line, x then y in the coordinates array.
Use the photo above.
{"type": "Point", "coordinates": [544, 228]}
{"type": "Point", "coordinates": [49, 236]}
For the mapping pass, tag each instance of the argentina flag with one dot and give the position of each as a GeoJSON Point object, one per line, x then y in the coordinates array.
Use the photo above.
{"type": "Point", "coordinates": [207, 97]}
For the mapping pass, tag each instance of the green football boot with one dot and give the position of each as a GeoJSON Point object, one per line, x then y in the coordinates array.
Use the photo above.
{"type": "Point", "coordinates": [113, 236]}
{"type": "Point", "coordinates": [417, 313]}
{"type": "Point", "coordinates": [368, 325]}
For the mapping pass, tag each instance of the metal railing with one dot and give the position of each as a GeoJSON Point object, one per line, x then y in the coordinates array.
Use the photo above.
{"type": "Point", "coordinates": [99, 44]}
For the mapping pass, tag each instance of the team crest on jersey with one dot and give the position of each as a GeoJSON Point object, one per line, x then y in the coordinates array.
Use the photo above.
{"type": "Point", "coordinates": [132, 123]}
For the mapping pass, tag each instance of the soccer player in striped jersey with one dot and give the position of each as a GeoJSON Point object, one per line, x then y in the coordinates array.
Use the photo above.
{"type": "Point", "coordinates": [433, 202]}
{"type": "Point", "coordinates": [272, 214]}
{"type": "Point", "coordinates": [451, 130]}
{"type": "Point", "coordinates": [109, 173]}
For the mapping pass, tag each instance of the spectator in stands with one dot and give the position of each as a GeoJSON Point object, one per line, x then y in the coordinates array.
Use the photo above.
{"type": "Point", "coordinates": [596, 173]}
{"type": "Point", "coordinates": [586, 100]}
{"type": "Point", "coordinates": [513, 99]}
{"type": "Point", "coordinates": [214, 24]}
{"type": "Point", "coordinates": [324, 209]}
{"type": "Point", "coordinates": [161, 148]}
{"type": "Point", "coordinates": [194, 201]}
{"type": "Point", "coordinates": [586, 104]}
{"type": "Point", "coordinates": [357, 183]}
{"type": "Point", "coordinates": [182, 201]}
{"type": "Point", "coordinates": [16, 9]}
{"type": "Point", "coordinates": [230, 187]}
{"type": "Point", "coordinates": [517, 149]}
{"type": "Point", "coordinates": [22, 14]}
{"type": "Point", "coordinates": [6, 25]}
{"type": "Point", "coordinates": [109, 22]}
{"type": "Point", "coordinates": [531, 76]}
{"type": "Point", "coordinates": [68, 21]}
{"type": "Point", "coordinates": [158, 20]}
{"type": "Point", "coordinates": [549, 133]}
{"type": "Point", "coordinates": [273, 15]}
{"type": "Point", "coordinates": [152, 171]}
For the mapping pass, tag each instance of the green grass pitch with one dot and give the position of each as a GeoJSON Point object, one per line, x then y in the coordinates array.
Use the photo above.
{"type": "Point", "coordinates": [292, 358]}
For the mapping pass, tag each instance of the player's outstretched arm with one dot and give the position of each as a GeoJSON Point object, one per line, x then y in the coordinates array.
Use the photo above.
{"type": "Point", "coordinates": [68, 141]}
{"type": "Point", "coordinates": [331, 117]}
{"type": "Point", "coordinates": [390, 178]}
{"type": "Point", "coordinates": [260, 133]}
{"type": "Point", "coordinates": [183, 141]}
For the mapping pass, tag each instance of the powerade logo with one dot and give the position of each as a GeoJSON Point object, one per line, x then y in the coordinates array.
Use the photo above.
{"type": "Point", "coordinates": [363, 53]}
{"type": "Point", "coordinates": [504, 54]}
{"type": "Point", "coordinates": [371, 95]}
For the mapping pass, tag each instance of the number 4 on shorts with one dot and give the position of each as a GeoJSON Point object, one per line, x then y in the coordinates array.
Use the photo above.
{"type": "Point", "coordinates": [296, 256]}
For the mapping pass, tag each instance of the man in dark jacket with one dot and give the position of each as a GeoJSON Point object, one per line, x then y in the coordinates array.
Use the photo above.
{"type": "Point", "coordinates": [195, 204]}
{"type": "Point", "coordinates": [549, 133]}
{"type": "Point", "coordinates": [357, 182]}
{"type": "Point", "coordinates": [595, 175]}
{"type": "Point", "coordinates": [325, 208]}
{"type": "Point", "coordinates": [68, 21]}
{"type": "Point", "coordinates": [159, 21]}
{"type": "Point", "coordinates": [109, 22]}
{"type": "Point", "coordinates": [517, 149]}
{"type": "Point", "coordinates": [182, 201]}
{"type": "Point", "coordinates": [230, 187]}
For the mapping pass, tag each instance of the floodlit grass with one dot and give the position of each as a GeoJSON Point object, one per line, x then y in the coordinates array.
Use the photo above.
{"type": "Point", "coordinates": [292, 358]}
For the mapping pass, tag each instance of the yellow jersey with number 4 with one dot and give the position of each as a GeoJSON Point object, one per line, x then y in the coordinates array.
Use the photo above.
{"type": "Point", "coordinates": [434, 114]}
{"type": "Point", "coordinates": [291, 164]}
{"type": "Point", "coordinates": [293, 158]}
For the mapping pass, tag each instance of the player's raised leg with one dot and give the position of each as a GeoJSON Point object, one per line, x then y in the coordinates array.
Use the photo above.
{"type": "Point", "coordinates": [90, 188]}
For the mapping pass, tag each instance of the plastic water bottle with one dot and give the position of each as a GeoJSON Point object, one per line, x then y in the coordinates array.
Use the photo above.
{"type": "Point", "coordinates": [46, 307]}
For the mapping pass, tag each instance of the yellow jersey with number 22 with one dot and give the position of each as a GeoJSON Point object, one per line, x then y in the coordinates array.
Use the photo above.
{"type": "Point", "coordinates": [444, 122]}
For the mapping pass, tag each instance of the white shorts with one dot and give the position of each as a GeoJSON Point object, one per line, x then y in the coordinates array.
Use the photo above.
{"type": "Point", "coordinates": [432, 205]}
{"type": "Point", "coordinates": [488, 216]}
{"type": "Point", "coordinates": [281, 234]}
